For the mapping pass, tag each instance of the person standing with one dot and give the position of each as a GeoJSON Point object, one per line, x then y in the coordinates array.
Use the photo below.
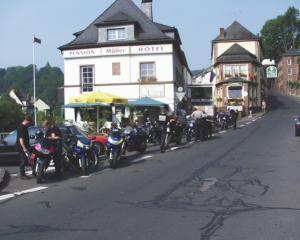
{"type": "Point", "coordinates": [23, 144]}
{"type": "Point", "coordinates": [263, 106]}
{"type": "Point", "coordinates": [198, 115]}
{"type": "Point", "coordinates": [54, 134]}
{"type": "Point", "coordinates": [234, 116]}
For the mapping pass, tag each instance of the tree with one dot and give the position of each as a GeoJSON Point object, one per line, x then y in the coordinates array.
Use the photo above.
{"type": "Point", "coordinates": [48, 79]}
{"type": "Point", "coordinates": [281, 33]}
{"type": "Point", "coordinates": [11, 114]}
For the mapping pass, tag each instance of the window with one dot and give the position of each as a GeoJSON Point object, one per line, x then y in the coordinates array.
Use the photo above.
{"type": "Point", "coordinates": [289, 61]}
{"type": "Point", "coordinates": [147, 71]}
{"type": "Point", "coordinates": [236, 71]}
{"type": "Point", "coordinates": [116, 34]}
{"type": "Point", "coordinates": [235, 92]}
{"type": "Point", "coordinates": [290, 71]}
{"type": "Point", "coordinates": [87, 78]}
{"type": "Point", "coordinates": [116, 69]}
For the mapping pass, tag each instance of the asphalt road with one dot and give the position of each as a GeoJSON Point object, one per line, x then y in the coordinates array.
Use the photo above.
{"type": "Point", "coordinates": [243, 184]}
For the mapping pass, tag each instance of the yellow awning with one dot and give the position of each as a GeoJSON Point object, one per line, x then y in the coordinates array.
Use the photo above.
{"type": "Point", "coordinates": [98, 97]}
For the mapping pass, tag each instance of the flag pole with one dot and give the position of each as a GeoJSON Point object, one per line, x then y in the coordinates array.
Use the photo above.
{"type": "Point", "coordinates": [33, 60]}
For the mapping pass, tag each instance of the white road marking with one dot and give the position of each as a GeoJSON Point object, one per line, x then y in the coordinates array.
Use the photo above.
{"type": "Point", "coordinates": [97, 173]}
{"type": "Point", "coordinates": [224, 131]}
{"type": "Point", "coordinates": [207, 184]}
{"type": "Point", "coordinates": [254, 120]}
{"type": "Point", "coordinates": [141, 159]}
{"type": "Point", "coordinates": [174, 148]}
{"type": "Point", "coordinates": [248, 123]}
{"type": "Point", "coordinates": [30, 172]}
{"type": "Point", "coordinates": [242, 125]}
{"type": "Point", "coordinates": [15, 194]}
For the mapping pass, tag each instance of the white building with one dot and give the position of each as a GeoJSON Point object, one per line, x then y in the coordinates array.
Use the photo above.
{"type": "Point", "coordinates": [125, 53]}
{"type": "Point", "coordinates": [201, 90]}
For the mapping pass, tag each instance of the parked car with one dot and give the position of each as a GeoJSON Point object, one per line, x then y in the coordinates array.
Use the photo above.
{"type": "Point", "coordinates": [8, 150]}
{"type": "Point", "coordinates": [297, 127]}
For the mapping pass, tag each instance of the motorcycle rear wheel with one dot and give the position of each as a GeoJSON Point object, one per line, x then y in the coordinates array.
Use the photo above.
{"type": "Point", "coordinates": [84, 166]}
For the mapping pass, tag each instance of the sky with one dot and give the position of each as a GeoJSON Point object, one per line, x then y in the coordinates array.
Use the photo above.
{"type": "Point", "coordinates": [54, 22]}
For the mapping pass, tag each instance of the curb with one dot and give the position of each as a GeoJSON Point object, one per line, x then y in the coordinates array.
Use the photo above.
{"type": "Point", "coordinates": [4, 178]}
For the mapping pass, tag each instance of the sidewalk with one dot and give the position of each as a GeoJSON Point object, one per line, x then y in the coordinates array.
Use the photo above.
{"type": "Point", "coordinates": [4, 177]}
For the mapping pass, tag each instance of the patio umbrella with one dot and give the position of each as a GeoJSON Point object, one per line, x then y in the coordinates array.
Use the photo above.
{"type": "Point", "coordinates": [97, 99]}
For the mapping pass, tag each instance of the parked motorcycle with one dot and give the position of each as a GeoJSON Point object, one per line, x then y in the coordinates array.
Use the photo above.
{"type": "Point", "coordinates": [41, 156]}
{"type": "Point", "coordinates": [135, 140]}
{"type": "Point", "coordinates": [171, 133]}
{"type": "Point", "coordinates": [153, 131]}
{"type": "Point", "coordinates": [79, 153]}
{"type": "Point", "coordinates": [114, 147]}
{"type": "Point", "coordinates": [190, 129]}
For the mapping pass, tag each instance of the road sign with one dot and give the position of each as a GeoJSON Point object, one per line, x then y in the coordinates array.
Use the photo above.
{"type": "Point", "coordinates": [180, 95]}
{"type": "Point", "coordinates": [180, 89]}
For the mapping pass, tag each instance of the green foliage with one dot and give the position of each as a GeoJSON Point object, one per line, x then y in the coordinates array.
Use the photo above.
{"type": "Point", "coordinates": [279, 34]}
{"type": "Point", "coordinates": [294, 85]}
{"type": "Point", "coordinates": [11, 114]}
{"type": "Point", "coordinates": [48, 79]}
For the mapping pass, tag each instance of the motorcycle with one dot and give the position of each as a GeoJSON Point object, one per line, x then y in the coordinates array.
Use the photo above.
{"type": "Point", "coordinates": [153, 132]}
{"type": "Point", "coordinates": [135, 140]}
{"type": "Point", "coordinates": [171, 133]}
{"type": "Point", "coordinates": [114, 147]}
{"type": "Point", "coordinates": [190, 129]}
{"type": "Point", "coordinates": [79, 153]}
{"type": "Point", "coordinates": [41, 156]}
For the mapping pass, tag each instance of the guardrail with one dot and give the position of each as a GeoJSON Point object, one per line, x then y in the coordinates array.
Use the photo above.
{"type": "Point", "coordinates": [3, 135]}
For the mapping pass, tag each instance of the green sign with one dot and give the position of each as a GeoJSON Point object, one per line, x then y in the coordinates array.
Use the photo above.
{"type": "Point", "coordinates": [271, 72]}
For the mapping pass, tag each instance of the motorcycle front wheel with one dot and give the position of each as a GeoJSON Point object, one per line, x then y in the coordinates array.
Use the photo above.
{"type": "Point", "coordinates": [84, 166]}
{"type": "Point", "coordinates": [113, 160]}
{"type": "Point", "coordinates": [40, 170]}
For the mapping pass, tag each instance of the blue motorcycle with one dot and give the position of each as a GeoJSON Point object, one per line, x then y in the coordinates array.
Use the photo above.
{"type": "Point", "coordinates": [115, 146]}
{"type": "Point", "coordinates": [79, 153]}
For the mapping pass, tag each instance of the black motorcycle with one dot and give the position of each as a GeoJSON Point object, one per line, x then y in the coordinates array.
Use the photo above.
{"type": "Point", "coordinates": [153, 132]}
{"type": "Point", "coordinates": [171, 133]}
{"type": "Point", "coordinates": [135, 140]}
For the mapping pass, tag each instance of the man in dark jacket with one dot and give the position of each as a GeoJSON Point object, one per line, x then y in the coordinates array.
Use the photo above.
{"type": "Point", "coordinates": [23, 144]}
{"type": "Point", "coordinates": [234, 116]}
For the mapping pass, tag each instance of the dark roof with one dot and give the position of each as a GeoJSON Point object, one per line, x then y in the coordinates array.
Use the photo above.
{"type": "Point", "coordinates": [119, 11]}
{"type": "Point", "coordinates": [164, 27]}
{"type": "Point", "coordinates": [236, 32]}
{"type": "Point", "coordinates": [291, 52]}
{"type": "Point", "coordinates": [234, 54]}
{"type": "Point", "coordinates": [118, 18]}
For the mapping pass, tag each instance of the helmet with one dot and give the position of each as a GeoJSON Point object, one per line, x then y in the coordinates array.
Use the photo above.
{"type": "Point", "coordinates": [39, 133]}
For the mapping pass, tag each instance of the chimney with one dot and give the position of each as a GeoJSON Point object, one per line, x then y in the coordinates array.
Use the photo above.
{"type": "Point", "coordinates": [222, 33]}
{"type": "Point", "coordinates": [147, 8]}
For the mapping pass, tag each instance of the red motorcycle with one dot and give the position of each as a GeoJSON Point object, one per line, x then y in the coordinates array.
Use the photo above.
{"type": "Point", "coordinates": [41, 155]}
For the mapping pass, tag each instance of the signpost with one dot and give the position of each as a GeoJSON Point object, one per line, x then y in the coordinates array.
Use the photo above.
{"type": "Point", "coordinates": [180, 94]}
{"type": "Point", "coordinates": [271, 72]}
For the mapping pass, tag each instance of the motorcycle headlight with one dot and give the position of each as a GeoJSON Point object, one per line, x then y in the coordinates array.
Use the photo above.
{"type": "Point", "coordinates": [82, 145]}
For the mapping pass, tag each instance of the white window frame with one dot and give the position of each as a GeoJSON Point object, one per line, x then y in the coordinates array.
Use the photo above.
{"type": "Point", "coordinates": [289, 61]}
{"type": "Point", "coordinates": [290, 71]}
{"type": "Point", "coordinates": [87, 78]}
{"type": "Point", "coordinates": [148, 73]}
{"type": "Point", "coordinates": [114, 34]}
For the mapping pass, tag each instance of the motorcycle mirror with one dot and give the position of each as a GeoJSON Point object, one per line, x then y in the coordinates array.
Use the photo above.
{"type": "Point", "coordinates": [32, 137]}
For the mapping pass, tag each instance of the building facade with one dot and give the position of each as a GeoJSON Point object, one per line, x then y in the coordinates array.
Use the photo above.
{"type": "Point", "coordinates": [288, 72]}
{"type": "Point", "coordinates": [125, 53]}
{"type": "Point", "coordinates": [236, 57]}
{"type": "Point", "coordinates": [201, 90]}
